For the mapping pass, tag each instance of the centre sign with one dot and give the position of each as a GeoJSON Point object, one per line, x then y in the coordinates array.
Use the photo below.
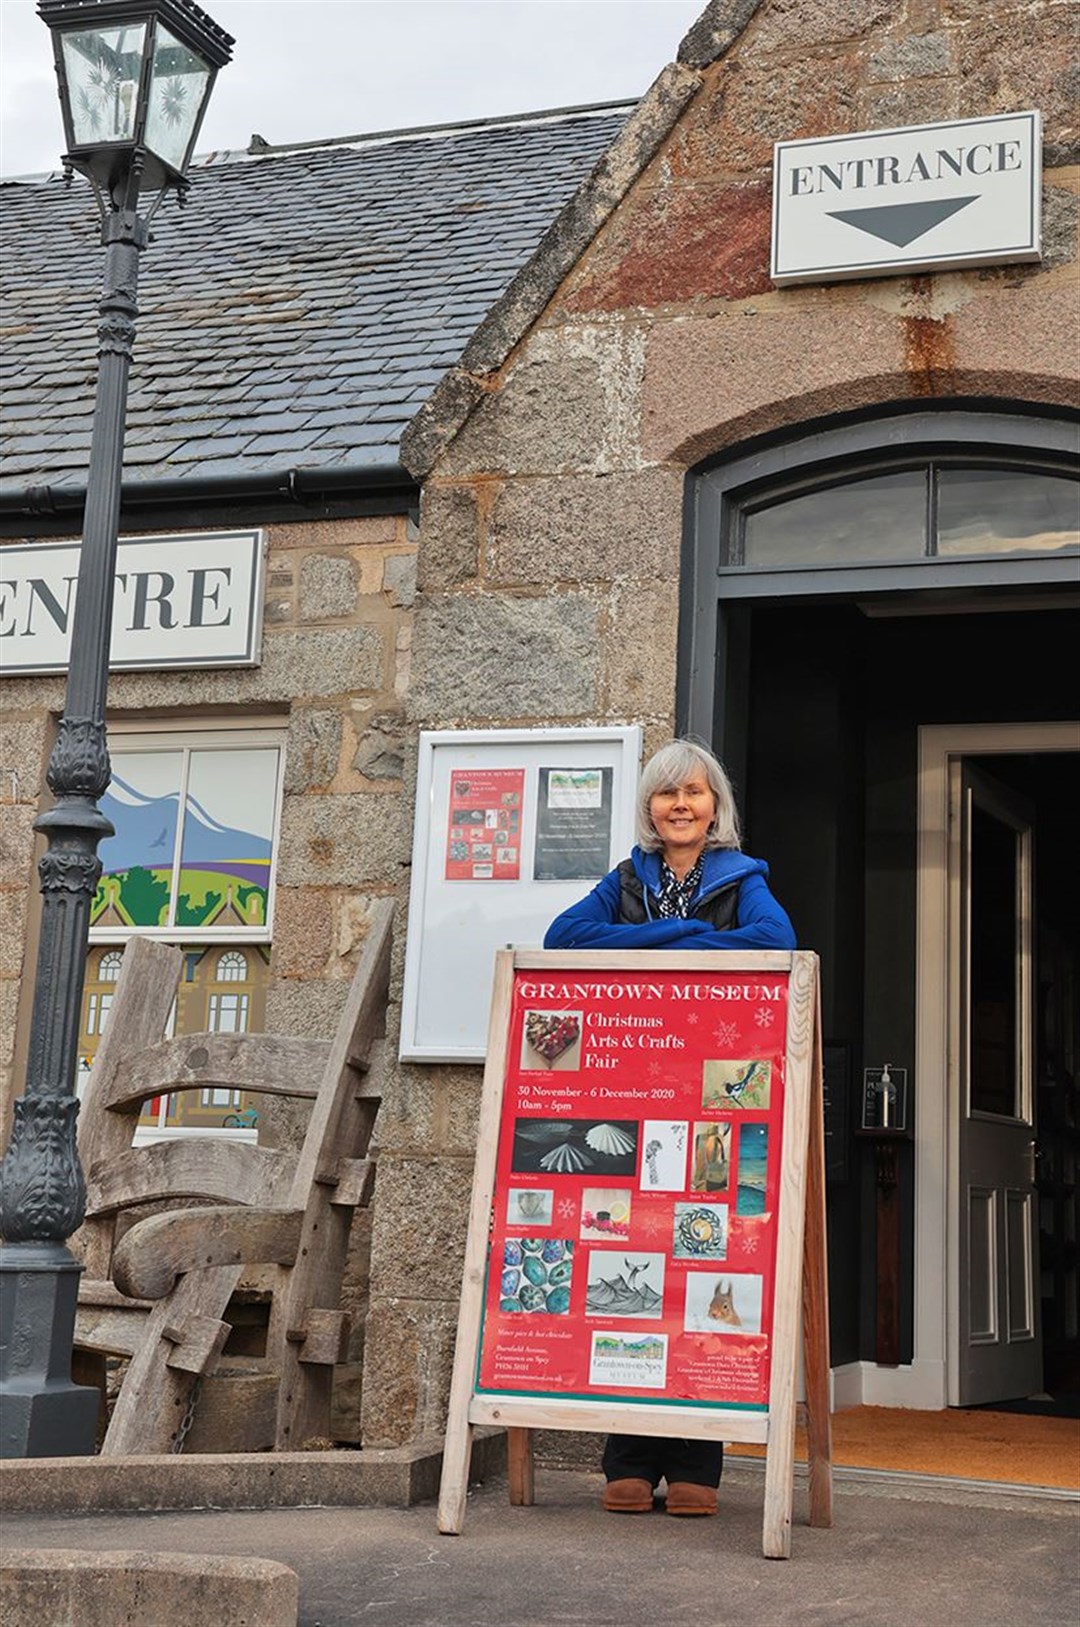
{"type": "Point", "coordinates": [932, 197]}
{"type": "Point", "coordinates": [178, 601]}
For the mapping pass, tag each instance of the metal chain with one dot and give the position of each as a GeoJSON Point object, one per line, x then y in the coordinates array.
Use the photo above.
{"type": "Point", "coordinates": [189, 1417]}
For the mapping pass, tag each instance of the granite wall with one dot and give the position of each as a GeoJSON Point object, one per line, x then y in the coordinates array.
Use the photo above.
{"type": "Point", "coordinates": [644, 337]}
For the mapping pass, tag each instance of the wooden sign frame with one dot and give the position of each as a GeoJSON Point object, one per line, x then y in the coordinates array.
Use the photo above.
{"type": "Point", "coordinates": [799, 1277]}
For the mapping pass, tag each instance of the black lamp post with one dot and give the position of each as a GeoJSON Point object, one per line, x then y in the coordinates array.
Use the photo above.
{"type": "Point", "coordinates": [135, 77]}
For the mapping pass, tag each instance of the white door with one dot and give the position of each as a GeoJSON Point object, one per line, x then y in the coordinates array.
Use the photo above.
{"type": "Point", "coordinates": [1000, 1348]}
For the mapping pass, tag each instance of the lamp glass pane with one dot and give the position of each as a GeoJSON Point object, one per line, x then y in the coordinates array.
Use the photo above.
{"type": "Point", "coordinates": [102, 67]}
{"type": "Point", "coordinates": [177, 88]}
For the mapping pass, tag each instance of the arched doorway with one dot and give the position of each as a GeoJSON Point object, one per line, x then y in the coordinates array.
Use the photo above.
{"type": "Point", "coordinates": [846, 594]}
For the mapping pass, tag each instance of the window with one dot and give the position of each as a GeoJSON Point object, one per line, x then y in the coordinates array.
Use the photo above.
{"type": "Point", "coordinates": [932, 510]}
{"type": "Point", "coordinates": [228, 1013]}
{"type": "Point", "coordinates": [97, 1009]}
{"type": "Point", "coordinates": [196, 816]}
{"type": "Point", "coordinates": [952, 505]}
{"type": "Point", "coordinates": [195, 819]}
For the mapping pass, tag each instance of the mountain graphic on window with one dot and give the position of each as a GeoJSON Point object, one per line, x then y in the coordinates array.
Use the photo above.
{"type": "Point", "coordinates": [224, 872]}
{"type": "Point", "coordinates": [146, 834]}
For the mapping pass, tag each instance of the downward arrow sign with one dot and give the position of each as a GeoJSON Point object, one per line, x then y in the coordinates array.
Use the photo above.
{"type": "Point", "coordinates": [901, 223]}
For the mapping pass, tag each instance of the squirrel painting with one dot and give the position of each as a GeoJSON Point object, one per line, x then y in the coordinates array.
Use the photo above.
{"type": "Point", "coordinates": [722, 1306]}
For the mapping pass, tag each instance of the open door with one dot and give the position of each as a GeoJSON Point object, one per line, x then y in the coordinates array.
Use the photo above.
{"type": "Point", "coordinates": [1000, 1348]}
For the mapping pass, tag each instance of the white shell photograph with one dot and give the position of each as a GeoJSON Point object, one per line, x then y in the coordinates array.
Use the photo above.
{"type": "Point", "coordinates": [575, 1147]}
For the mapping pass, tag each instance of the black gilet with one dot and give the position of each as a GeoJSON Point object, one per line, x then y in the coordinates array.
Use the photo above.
{"type": "Point", "coordinates": [719, 908]}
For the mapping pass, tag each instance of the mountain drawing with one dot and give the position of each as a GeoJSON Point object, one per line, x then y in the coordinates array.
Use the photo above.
{"type": "Point", "coordinates": [146, 833]}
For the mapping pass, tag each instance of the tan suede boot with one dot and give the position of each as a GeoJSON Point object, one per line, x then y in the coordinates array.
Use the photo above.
{"type": "Point", "coordinates": [683, 1497]}
{"type": "Point", "coordinates": [628, 1497]}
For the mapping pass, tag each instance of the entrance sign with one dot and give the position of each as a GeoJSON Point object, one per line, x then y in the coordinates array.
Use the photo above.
{"type": "Point", "coordinates": [512, 827]}
{"type": "Point", "coordinates": [179, 601]}
{"type": "Point", "coordinates": [931, 197]}
{"type": "Point", "coordinates": [650, 1148]}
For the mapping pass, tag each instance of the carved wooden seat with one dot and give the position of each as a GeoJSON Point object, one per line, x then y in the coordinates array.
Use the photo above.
{"type": "Point", "coordinates": [164, 1292]}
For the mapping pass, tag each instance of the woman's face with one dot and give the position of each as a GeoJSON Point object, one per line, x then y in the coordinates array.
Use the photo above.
{"type": "Point", "coordinates": [681, 815]}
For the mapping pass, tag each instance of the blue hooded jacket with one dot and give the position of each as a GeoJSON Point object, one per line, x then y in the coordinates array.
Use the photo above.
{"type": "Point", "coordinates": [595, 922]}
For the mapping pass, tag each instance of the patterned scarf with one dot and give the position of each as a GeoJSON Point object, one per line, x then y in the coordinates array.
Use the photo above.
{"type": "Point", "coordinates": [675, 895]}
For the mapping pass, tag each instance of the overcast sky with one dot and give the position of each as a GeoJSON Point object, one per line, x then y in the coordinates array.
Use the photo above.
{"type": "Point", "coordinates": [306, 70]}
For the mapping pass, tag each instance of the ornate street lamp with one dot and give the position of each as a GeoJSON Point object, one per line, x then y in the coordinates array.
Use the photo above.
{"type": "Point", "coordinates": [135, 77]}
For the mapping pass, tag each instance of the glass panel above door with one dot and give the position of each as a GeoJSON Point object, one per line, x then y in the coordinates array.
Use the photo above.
{"type": "Point", "coordinates": [877, 519]}
{"type": "Point", "coordinates": [985, 511]}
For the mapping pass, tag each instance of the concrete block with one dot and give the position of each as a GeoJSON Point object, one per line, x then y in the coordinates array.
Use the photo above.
{"type": "Point", "coordinates": [588, 528]}
{"type": "Point", "coordinates": [756, 100]}
{"type": "Point", "coordinates": [16, 840]}
{"type": "Point", "coordinates": [328, 587]}
{"type": "Point", "coordinates": [340, 841]}
{"type": "Point", "coordinates": [399, 580]}
{"type": "Point", "coordinates": [913, 56]}
{"type": "Point", "coordinates": [359, 532]}
{"type": "Point", "coordinates": [797, 25]}
{"type": "Point", "coordinates": [313, 748]}
{"type": "Point", "coordinates": [70, 1587]}
{"type": "Point", "coordinates": [713, 382]}
{"type": "Point", "coordinates": [1018, 338]}
{"type": "Point", "coordinates": [449, 537]}
{"type": "Point", "coordinates": [408, 1361]}
{"type": "Point", "coordinates": [419, 1222]}
{"type": "Point", "coordinates": [640, 648]}
{"type": "Point", "coordinates": [549, 416]}
{"type": "Point", "coordinates": [303, 932]}
{"type": "Point", "coordinates": [23, 743]}
{"type": "Point", "coordinates": [493, 658]}
{"type": "Point", "coordinates": [306, 1007]}
{"type": "Point", "coordinates": [380, 747]}
{"type": "Point", "coordinates": [9, 1010]}
{"type": "Point", "coordinates": [394, 1477]}
{"type": "Point", "coordinates": [13, 906]}
{"type": "Point", "coordinates": [705, 241]}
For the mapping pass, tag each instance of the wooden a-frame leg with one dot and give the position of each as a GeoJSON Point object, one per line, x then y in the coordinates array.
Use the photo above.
{"type": "Point", "coordinates": [457, 1458]}
{"type": "Point", "coordinates": [520, 1467]}
{"type": "Point", "coordinates": [816, 1309]}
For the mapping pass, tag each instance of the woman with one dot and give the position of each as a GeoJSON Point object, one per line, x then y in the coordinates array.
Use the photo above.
{"type": "Point", "coordinates": [686, 885]}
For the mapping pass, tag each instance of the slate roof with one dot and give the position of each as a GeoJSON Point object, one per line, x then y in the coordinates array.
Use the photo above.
{"type": "Point", "coordinates": [294, 315]}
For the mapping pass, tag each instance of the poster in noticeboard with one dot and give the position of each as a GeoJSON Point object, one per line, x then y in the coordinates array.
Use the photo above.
{"type": "Point", "coordinates": [633, 1245]}
{"type": "Point", "coordinates": [512, 826]}
{"type": "Point", "coordinates": [647, 1232]}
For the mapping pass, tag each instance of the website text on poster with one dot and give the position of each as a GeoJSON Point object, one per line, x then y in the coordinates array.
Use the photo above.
{"type": "Point", "coordinates": [637, 1180]}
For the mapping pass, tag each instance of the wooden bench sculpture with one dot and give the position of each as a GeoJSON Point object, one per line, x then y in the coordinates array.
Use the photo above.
{"type": "Point", "coordinates": [160, 1293]}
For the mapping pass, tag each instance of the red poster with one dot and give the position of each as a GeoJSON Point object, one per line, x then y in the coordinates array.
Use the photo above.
{"type": "Point", "coordinates": [637, 1183]}
{"type": "Point", "coordinates": [484, 824]}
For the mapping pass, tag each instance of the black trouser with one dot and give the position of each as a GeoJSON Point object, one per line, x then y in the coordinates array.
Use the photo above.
{"type": "Point", "coordinates": [653, 1458]}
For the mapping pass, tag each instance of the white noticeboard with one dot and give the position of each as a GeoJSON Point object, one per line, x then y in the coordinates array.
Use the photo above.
{"type": "Point", "coordinates": [512, 827]}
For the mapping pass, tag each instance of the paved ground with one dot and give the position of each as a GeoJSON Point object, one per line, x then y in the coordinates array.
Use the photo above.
{"type": "Point", "coordinates": [898, 1556]}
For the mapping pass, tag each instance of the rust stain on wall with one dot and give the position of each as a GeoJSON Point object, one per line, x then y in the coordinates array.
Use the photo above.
{"type": "Point", "coordinates": [929, 349]}
{"type": "Point", "coordinates": [700, 242]}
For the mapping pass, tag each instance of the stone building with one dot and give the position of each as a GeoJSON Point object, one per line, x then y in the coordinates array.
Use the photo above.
{"type": "Point", "coordinates": [829, 527]}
